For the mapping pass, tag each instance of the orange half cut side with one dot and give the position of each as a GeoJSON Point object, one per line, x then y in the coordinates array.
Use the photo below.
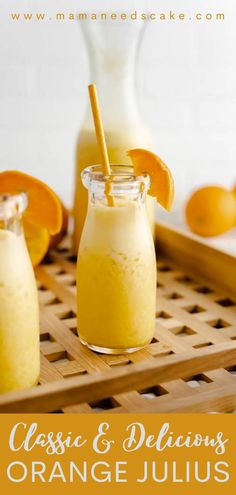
{"type": "Point", "coordinates": [37, 241]}
{"type": "Point", "coordinates": [44, 207]}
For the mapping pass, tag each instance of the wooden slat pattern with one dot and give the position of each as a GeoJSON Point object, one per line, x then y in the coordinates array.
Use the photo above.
{"type": "Point", "coordinates": [189, 366]}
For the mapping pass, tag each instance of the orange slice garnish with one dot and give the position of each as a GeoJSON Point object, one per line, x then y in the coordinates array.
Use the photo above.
{"type": "Point", "coordinates": [37, 240]}
{"type": "Point", "coordinates": [44, 207]}
{"type": "Point", "coordinates": [162, 182]}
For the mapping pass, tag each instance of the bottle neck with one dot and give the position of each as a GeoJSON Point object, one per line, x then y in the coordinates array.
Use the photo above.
{"type": "Point", "coordinates": [117, 91]}
{"type": "Point", "coordinates": [13, 224]}
{"type": "Point", "coordinates": [122, 185]}
{"type": "Point", "coordinates": [11, 210]}
{"type": "Point", "coordinates": [113, 60]}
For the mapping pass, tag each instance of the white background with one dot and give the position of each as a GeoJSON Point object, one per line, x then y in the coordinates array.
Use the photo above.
{"type": "Point", "coordinates": [187, 90]}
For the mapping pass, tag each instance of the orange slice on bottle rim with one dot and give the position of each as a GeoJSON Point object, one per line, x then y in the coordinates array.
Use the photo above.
{"type": "Point", "coordinates": [162, 182]}
{"type": "Point", "coordinates": [44, 207]}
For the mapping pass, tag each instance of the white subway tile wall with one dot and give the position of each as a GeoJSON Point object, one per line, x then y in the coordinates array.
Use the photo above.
{"type": "Point", "coordinates": [186, 84]}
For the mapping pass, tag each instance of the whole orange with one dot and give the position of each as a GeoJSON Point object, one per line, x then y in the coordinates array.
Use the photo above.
{"type": "Point", "coordinates": [211, 211]}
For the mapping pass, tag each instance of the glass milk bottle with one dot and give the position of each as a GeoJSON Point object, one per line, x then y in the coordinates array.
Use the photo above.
{"type": "Point", "coordinates": [116, 268]}
{"type": "Point", "coordinates": [19, 316]}
{"type": "Point", "coordinates": [113, 49]}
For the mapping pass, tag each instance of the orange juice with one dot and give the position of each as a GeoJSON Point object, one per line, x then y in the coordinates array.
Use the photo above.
{"type": "Point", "coordinates": [116, 275]}
{"type": "Point", "coordinates": [19, 315]}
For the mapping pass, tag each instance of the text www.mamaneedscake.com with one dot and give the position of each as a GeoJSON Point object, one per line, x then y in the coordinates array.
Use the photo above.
{"type": "Point", "coordinates": [170, 16]}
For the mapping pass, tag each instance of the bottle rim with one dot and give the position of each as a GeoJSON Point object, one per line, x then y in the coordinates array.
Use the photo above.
{"type": "Point", "coordinates": [122, 179]}
{"type": "Point", "coordinates": [12, 205]}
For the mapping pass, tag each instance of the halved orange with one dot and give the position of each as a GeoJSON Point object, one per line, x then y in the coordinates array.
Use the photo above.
{"type": "Point", "coordinates": [37, 240]}
{"type": "Point", "coordinates": [162, 182]}
{"type": "Point", "coordinates": [56, 239]}
{"type": "Point", "coordinates": [44, 207]}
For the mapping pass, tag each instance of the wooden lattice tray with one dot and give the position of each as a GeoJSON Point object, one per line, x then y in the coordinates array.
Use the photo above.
{"type": "Point", "coordinates": [190, 366]}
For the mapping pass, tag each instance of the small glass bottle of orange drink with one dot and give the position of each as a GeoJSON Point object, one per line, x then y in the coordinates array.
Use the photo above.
{"type": "Point", "coordinates": [19, 316]}
{"type": "Point", "coordinates": [116, 270]}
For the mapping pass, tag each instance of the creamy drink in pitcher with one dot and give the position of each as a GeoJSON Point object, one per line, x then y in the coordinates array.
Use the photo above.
{"type": "Point", "coordinates": [19, 318]}
{"type": "Point", "coordinates": [113, 52]}
{"type": "Point", "coordinates": [116, 271]}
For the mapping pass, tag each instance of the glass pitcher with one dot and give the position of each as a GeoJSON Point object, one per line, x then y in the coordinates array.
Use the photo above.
{"type": "Point", "coordinates": [116, 267]}
{"type": "Point", "coordinates": [19, 316]}
{"type": "Point", "coordinates": [113, 49]}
